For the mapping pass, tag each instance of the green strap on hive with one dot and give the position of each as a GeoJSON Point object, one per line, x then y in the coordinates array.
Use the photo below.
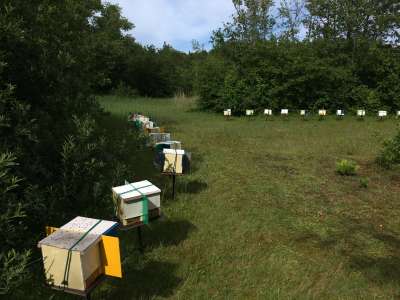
{"type": "Point", "coordinates": [69, 256]}
{"type": "Point", "coordinates": [145, 202]}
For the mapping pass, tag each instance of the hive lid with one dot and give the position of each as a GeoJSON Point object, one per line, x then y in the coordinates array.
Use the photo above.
{"type": "Point", "coordinates": [65, 239]}
{"type": "Point", "coordinates": [173, 151]}
{"type": "Point", "coordinates": [131, 191]}
{"type": "Point", "coordinates": [82, 225]}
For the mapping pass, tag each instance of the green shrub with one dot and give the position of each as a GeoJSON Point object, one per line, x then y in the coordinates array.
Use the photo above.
{"type": "Point", "coordinates": [364, 182]}
{"type": "Point", "coordinates": [346, 167]}
{"type": "Point", "coordinates": [389, 156]}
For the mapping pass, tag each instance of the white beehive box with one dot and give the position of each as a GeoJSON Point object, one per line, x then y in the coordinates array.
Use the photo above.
{"type": "Point", "coordinates": [340, 113]}
{"type": "Point", "coordinates": [398, 113]}
{"type": "Point", "coordinates": [361, 113]}
{"type": "Point", "coordinates": [268, 112]}
{"type": "Point", "coordinates": [302, 112]}
{"type": "Point", "coordinates": [87, 261]}
{"type": "Point", "coordinates": [128, 200]}
{"type": "Point", "coordinates": [249, 112]}
{"type": "Point", "coordinates": [173, 162]}
{"type": "Point", "coordinates": [227, 112]}
{"type": "Point", "coordinates": [148, 125]}
{"type": "Point", "coordinates": [284, 112]}
{"type": "Point", "coordinates": [322, 112]}
{"type": "Point", "coordinates": [382, 113]}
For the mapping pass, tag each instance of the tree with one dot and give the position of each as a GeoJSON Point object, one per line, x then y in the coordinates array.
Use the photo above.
{"type": "Point", "coordinates": [291, 13]}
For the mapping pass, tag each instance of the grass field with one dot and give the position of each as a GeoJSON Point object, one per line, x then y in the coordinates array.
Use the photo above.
{"type": "Point", "coordinates": [263, 214]}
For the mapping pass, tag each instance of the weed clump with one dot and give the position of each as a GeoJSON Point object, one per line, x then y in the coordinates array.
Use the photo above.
{"type": "Point", "coordinates": [346, 167]}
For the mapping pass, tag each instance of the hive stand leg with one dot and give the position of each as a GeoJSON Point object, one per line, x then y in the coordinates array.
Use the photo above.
{"type": "Point", "coordinates": [88, 296]}
{"type": "Point", "coordinates": [139, 233]}
{"type": "Point", "coordinates": [173, 186]}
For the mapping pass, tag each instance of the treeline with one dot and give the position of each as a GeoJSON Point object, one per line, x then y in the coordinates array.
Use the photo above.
{"type": "Point", "coordinates": [312, 54]}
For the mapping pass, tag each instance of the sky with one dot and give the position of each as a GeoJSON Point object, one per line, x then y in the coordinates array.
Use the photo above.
{"type": "Point", "coordinates": [176, 22]}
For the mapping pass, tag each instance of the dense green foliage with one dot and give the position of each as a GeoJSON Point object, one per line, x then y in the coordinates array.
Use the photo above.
{"type": "Point", "coordinates": [348, 57]}
{"type": "Point", "coordinates": [389, 157]}
{"type": "Point", "coordinates": [54, 160]}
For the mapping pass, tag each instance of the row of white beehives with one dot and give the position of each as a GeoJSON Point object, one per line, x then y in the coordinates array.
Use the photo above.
{"type": "Point", "coordinates": [139, 203]}
{"type": "Point", "coordinates": [303, 112]}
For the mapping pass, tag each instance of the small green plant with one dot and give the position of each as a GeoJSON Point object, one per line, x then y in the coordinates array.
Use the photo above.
{"type": "Point", "coordinates": [389, 156]}
{"type": "Point", "coordinates": [364, 182]}
{"type": "Point", "coordinates": [346, 167]}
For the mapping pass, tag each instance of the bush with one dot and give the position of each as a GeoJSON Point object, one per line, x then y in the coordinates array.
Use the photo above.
{"type": "Point", "coordinates": [346, 168]}
{"type": "Point", "coordinates": [364, 182]}
{"type": "Point", "coordinates": [389, 156]}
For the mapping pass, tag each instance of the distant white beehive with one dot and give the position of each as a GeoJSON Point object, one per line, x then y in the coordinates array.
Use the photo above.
{"type": "Point", "coordinates": [268, 112]}
{"type": "Point", "coordinates": [136, 202]}
{"type": "Point", "coordinates": [227, 112]}
{"type": "Point", "coordinates": [361, 113]}
{"type": "Point", "coordinates": [284, 112]}
{"type": "Point", "coordinates": [303, 112]}
{"type": "Point", "coordinates": [322, 112]}
{"type": "Point", "coordinates": [382, 113]}
{"type": "Point", "coordinates": [148, 125]}
{"type": "Point", "coordinates": [249, 112]}
{"type": "Point", "coordinates": [76, 255]}
{"type": "Point", "coordinates": [398, 113]}
{"type": "Point", "coordinates": [340, 113]}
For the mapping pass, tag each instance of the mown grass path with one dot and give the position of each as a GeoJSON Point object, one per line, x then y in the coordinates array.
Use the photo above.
{"type": "Point", "coordinates": [264, 215]}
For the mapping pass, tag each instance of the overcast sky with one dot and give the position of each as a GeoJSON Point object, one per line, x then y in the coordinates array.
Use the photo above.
{"type": "Point", "coordinates": [176, 22]}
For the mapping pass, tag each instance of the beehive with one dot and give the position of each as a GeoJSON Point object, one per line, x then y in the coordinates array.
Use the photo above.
{"type": "Point", "coordinates": [175, 161]}
{"type": "Point", "coordinates": [155, 138]}
{"type": "Point", "coordinates": [137, 202]}
{"type": "Point", "coordinates": [148, 125]}
{"type": "Point", "coordinates": [268, 112]}
{"type": "Point", "coordinates": [168, 145]}
{"type": "Point", "coordinates": [302, 112]}
{"type": "Point", "coordinates": [249, 112]}
{"type": "Point", "coordinates": [340, 113]}
{"type": "Point", "coordinates": [361, 113]}
{"type": "Point", "coordinates": [322, 112]}
{"type": "Point", "coordinates": [227, 112]}
{"type": "Point", "coordinates": [152, 130]}
{"type": "Point", "coordinates": [284, 112]}
{"type": "Point", "coordinates": [80, 252]}
{"type": "Point", "coordinates": [398, 114]}
{"type": "Point", "coordinates": [382, 113]}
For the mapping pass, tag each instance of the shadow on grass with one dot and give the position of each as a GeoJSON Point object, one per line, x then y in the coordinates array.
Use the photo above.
{"type": "Point", "coordinates": [153, 279]}
{"type": "Point", "coordinates": [167, 233]}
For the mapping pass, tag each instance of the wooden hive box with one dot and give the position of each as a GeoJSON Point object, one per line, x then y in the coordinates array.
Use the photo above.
{"type": "Point", "coordinates": [249, 112]}
{"type": "Point", "coordinates": [168, 145]}
{"type": "Point", "coordinates": [129, 202]}
{"type": "Point", "coordinates": [175, 161]}
{"type": "Point", "coordinates": [284, 112]}
{"type": "Point", "coordinates": [153, 130]}
{"type": "Point", "coordinates": [90, 255]}
{"type": "Point", "coordinates": [322, 112]}
{"type": "Point", "coordinates": [268, 112]}
{"type": "Point", "coordinates": [155, 138]}
{"type": "Point", "coordinates": [382, 113]}
{"type": "Point", "coordinates": [227, 112]}
{"type": "Point", "coordinates": [361, 113]}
